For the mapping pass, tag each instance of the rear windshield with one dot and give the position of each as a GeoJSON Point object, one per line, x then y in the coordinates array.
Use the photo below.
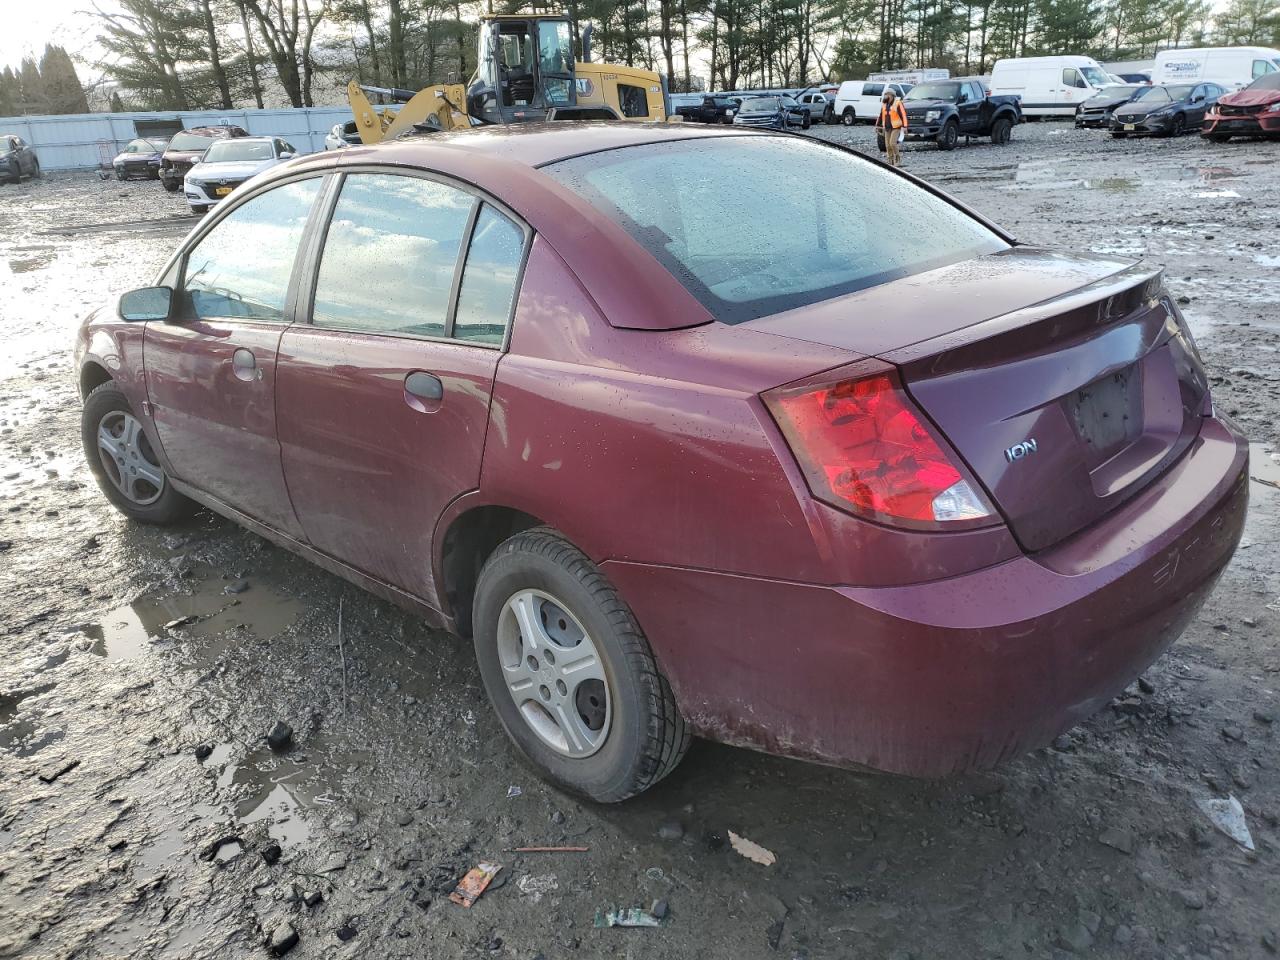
{"type": "Point", "coordinates": [817, 222]}
{"type": "Point", "coordinates": [189, 141]}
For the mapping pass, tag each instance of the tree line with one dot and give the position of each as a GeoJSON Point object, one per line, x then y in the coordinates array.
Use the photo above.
{"type": "Point", "coordinates": [220, 54]}
{"type": "Point", "coordinates": [49, 85]}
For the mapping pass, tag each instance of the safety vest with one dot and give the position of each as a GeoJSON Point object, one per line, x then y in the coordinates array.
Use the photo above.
{"type": "Point", "coordinates": [895, 115]}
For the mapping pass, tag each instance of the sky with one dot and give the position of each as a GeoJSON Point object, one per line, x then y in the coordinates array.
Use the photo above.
{"type": "Point", "coordinates": [25, 27]}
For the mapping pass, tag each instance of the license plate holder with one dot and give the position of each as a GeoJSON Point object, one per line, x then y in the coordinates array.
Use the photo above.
{"type": "Point", "coordinates": [1129, 126]}
{"type": "Point", "coordinates": [1108, 412]}
{"type": "Point", "coordinates": [221, 191]}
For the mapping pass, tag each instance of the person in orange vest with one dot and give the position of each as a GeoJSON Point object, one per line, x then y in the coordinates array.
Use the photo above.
{"type": "Point", "coordinates": [892, 124]}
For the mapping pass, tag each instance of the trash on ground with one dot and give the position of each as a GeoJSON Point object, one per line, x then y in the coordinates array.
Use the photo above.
{"type": "Point", "coordinates": [550, 849]}
{"type": "Point", "coordinates": [1228, 816]}
{"type": "Point", "coordinates": [626, 917]}
{"type": "Point", "coordinates": [181, 621]}
{"type": "Point", "coordinates": [513, 791]}
{"type": "Point", "coordinates": [751, 850]}
{"type": "Point", "coordinates": [280, 736]}
{"type": "Point", "coordinates": [477, 880]}
{"type": "Point", "coordinates": [536, 887]}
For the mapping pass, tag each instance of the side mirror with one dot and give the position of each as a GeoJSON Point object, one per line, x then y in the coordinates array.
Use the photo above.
{"type": "Point", "coordinates": [964, 97]}
{"type": "Point", "coordinates": [287, 155]}
{"type": "Point", "coordinates": [147, 303]}
{"type": "Point", "coordinates": [1197, 99]}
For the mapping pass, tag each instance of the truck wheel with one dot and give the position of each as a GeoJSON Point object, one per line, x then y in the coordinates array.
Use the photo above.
{"type": "Point", "coordinates": [828, 115]}
{"type": "Point", "coordinates": [949, 136]}
{"type": "Point", "coordinates": [848, 117]}
{"type": "Point", "coordinates": [808, 121]}
{"type": "Point", "coordinates": [570, 673]}
{"type": "Point", "coordinates": [171, 186]}
{"type": "Point", "coordinates": [1001, 131]}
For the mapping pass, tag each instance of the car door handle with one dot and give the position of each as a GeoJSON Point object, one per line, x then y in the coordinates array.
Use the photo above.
{"type": "Point", "coordinates": [423, 391]}
{"type": "Point", "coordinates": [245, 365]}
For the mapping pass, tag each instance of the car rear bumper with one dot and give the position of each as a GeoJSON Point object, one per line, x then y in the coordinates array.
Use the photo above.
{"type": "Point", "coordinates": [958, 674]}
{"type": "Point", "coordinates": [1249, 125]}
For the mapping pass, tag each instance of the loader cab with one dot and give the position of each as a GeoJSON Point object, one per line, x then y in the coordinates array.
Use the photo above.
{"type": "Point", "coordinates": [525, 68]}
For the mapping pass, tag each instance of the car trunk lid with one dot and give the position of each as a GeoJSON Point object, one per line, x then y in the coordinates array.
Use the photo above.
{"type": "Point", "coordinates": [1062, 410]}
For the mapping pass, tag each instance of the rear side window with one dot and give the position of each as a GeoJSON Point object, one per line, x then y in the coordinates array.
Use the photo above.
{"type": "Point", "coordinates": [390, 255]}
{"type": "Point", "coordinates": [241, 268]}
{"type": "Point", "coordinates": [489, 279]}
{"type": "Point", "coordinates": [1261, 68]}
{"type": "Point", "coordinates": [872, 89]}
{"type": "Point", "coordinates": [807, 222]}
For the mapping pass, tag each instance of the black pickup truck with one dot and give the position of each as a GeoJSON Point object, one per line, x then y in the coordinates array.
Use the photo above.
{"type": "Point", "coordinates": [946, 110]}
{"type": "Point", "coordinates": [711, 110]}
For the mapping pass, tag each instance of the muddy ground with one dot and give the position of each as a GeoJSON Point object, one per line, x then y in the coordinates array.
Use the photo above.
{"type": "Point", "coordinates": [132, 736]}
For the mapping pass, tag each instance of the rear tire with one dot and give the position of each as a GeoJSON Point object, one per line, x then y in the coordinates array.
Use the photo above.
{"type": "Point", "coordinates": [35, 168]}
{"type": "Point", "coordinates": [568, 605]}
{"type": "Point", "coordinates": [1001, 131]}
{"type": "Point", "coordinates": [1179, 125]}
{"type": "Point", "coordinates": [848, 117]}
{"type": "Point", "coordinates": [949, 136]}
{"type": "Point", "coordinates": [107, 409]}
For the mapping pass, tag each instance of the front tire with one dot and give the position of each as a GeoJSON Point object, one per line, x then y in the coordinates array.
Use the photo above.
{"type": "Point", "coordinates": [949, 136]}
{"type": "Point", "coordinates": [123, 462]}
{"type": "Point", "coordinates": [848, 117]}
{"type": "Point", "coordinates": [570, 673]}
{"type": "Point", "coordinates": [1179, 126]}
{"type": "Point", "coordinates": [808, 122]}
{"type": "Point", "coordinates": [170, 186]}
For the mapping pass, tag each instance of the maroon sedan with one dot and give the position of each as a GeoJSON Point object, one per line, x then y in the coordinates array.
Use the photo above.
{"type": "Point", "coordinates": [1251, 112]}
{"type": "Point", "coordinates": [828, 466]}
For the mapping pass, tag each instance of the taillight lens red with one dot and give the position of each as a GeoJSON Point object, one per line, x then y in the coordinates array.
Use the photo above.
{"type": "Point", "coordinates": [862, 447]}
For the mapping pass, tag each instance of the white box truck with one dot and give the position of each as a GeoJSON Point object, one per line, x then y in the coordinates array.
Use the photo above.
{"type": "Point", "coordinates": [912, 77]}
{"type": "Point", "coordinates": [1049, 86]}
{"type": "Point", "coordinates": [1233, 67]}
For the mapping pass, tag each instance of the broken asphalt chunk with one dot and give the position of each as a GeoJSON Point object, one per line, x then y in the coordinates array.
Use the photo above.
{"type": "Point", "coordinates": [1121, 840]}
{"type": "Point", "coordinates": [283, 939]}
{"type": "Point", "coordinates": [55, 770]}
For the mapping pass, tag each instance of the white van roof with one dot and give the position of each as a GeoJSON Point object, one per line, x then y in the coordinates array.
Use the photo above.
{"type": "Point", "coordinates": [1046, 61]}
{"type": "Point", "coordinates": [1178, 52]}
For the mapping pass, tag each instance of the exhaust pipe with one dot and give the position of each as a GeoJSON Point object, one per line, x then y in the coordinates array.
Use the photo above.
{"type": "Point", "coordinates": [586, 42]}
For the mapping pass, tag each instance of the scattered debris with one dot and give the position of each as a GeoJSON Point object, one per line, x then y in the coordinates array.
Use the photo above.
{"type": "Point", "coordinates": [283, 939]}
{"type": "Point", "coordinates": [203, 751]}
{"type": "Point", "coordinates": [181, 621]}
{"type": "Point", "coordinates": [312, 898]}
{"type": "Point", "coordinates": [476, 881]}
{"type": "Point", "coordinates": [751, 850]}
{"type": "Point", "coordinates": [513, 791]}
{"type": "Point", "coordinates": [280, 736]}
{"type": "Point", "coordinates": [55, 770]}
{"type": "Point", "coordinates": [1228, 816]}
{"type": "Point", "coordinates": [671, 830]}
{"type": "Point", "coordinates": [660, 909]}
{"type": "Point", "coordinates": [550, 850]}
{"type": "Point", "coordinates": [626, 917]}
{"type": "Point", "coordinates": [537, 887]}
{"type": "Point", "coordinates": [346, 932]}
{"type": "Point", "coordinates": [1121, 840]}
{"type": "Point", "coordinates": [271, 854]}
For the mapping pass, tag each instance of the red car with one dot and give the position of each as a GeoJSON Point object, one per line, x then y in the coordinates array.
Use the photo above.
{"type": "Point", "coordinates": [840, 472]}
{"type": "Point", "coordinates": [1251, 112]}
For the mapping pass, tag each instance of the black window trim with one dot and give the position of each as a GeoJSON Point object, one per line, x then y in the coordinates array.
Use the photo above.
{"type": "Point", "coordinates": [318, 233]}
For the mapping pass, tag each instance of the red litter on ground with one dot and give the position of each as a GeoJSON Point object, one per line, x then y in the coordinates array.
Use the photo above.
{"type": "Point", "coordinates": [477, 880]}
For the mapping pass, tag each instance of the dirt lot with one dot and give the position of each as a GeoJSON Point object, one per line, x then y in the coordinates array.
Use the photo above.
{"type": "Point", "coordinates": [132, 737]}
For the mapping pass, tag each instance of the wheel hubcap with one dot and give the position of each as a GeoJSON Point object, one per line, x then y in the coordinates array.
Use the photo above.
{"type": "Point", "coordinates": [554, 673]}
{"type": "Point", "coordinates": [128, 459]}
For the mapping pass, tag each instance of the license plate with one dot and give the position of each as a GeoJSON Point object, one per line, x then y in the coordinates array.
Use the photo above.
{"type": "Point", "coordinates": [1129, 126]}
{"type": "Point", "coordinates": [221, 191]}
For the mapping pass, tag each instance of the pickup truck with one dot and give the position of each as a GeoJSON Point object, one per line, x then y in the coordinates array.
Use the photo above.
{"type": "Point", "coordinates": [711, 110]}
{"type": "Point", "coordinates": [945, 110]}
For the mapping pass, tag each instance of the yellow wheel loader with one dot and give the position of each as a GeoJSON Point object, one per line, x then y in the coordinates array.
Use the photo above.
{"type": "Point", "coordinates": [525, 71]}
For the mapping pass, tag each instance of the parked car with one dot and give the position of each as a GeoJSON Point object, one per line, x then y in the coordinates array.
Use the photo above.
{"type": "Point", "coordinates": [1233, 67]}
{"type": "Point", "coordinates": [711, 109]}
{"type": "Point", "coordinates": [342, 135]}
{"type": "Point", "coordinates": [1251, 112]}
{"type": "Point", "coordinates": [140, 159]}
{"type": "Point", "coordinates": [228, 164]}
{"type": "Point", "coordinates": [774, 113]}
{"type": "Point", "coordinates": [1049, 86]}
{"type": "Point", "coordinates": [1168, 110]}
{"type": "Point", "coordinates": [946, 110]}
{"type": "Point", "coordinates": [1097, 110]}
{"type": "Point", "coordinates": [688, 496]}
{"type": "Point", "coordinates": [187, 147]}
{"type": "Point", "coordinates": [860, 100]}
{"type": "Point", "coordinates": [818, 105]}
{"type": "Point", "coordinates": [1140, 78]}
{"type": "Point", "coordinates": [17, 159]}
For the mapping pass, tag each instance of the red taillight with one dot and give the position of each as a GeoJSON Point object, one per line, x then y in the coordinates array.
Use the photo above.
{"type": "Point", "coordinates": [863, 448]}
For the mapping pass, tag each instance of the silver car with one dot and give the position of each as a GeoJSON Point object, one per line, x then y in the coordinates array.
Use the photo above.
{"type": "Point", "coordinates": [342, 135]}
{"type": "Point", "coordinates": [775, 112]}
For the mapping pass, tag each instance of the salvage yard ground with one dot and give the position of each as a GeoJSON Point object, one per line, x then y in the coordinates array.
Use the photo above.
{"type": "Point", "coordinates": [141, 810]}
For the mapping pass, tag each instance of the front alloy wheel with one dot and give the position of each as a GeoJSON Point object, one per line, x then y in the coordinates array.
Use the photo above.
{"type": "Point", "coordinates": [128, 460]}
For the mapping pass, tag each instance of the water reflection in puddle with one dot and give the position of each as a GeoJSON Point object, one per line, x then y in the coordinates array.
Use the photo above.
{"type": "Point", "coordinates": [1264, 465]}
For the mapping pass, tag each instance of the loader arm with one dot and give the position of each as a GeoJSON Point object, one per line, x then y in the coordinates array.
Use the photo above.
{"type": "Point", "coordinates": [445, 102]}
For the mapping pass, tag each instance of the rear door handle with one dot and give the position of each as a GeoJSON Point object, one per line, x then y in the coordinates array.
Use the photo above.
{"type": "Point", "coordinates": [423, 391]}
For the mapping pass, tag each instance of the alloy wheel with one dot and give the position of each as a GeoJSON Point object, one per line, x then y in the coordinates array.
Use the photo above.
{"type": "Point", "coordinates": [127, 458]}
{"type": "Point", "coordinates": [554, 673]}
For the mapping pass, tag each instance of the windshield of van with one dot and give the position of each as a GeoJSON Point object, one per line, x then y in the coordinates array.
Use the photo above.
{"type": "Point", "coordinates": [818, 222]}
{"type": "Point", "coordinates": [933, 91]}
{"type": "Point", "coordinates": [1095, 76]}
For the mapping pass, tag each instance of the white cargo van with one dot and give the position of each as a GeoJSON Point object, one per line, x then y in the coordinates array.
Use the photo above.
{"type": "Point", "coordinates": [1049, 86]}
{"type": "Point", "coordinates": [1232, 67]}
{"type": "Point", "coordinates": [860, 100]}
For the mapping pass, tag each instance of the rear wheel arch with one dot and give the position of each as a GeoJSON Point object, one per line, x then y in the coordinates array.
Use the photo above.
{"type": "Point", "coordinates": [469, 540]}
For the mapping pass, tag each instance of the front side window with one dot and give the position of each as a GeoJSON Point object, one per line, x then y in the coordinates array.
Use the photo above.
{"type": "Point", "coordinates": [241, 268]}
{"type": "Point", "coordinates": [489, 279]}
{"type": "Point", "coordinates": [1071, 78]}
{"type": "Point", "coordinates": [809, 222]}
{"type": "Point", "coordinates": [389, 255]}
{"type": "Point", "coordinates": [633, 100]}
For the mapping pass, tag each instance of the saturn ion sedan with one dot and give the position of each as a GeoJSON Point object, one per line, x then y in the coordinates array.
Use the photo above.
{"type": "Point", "coordinates": [842, 473]}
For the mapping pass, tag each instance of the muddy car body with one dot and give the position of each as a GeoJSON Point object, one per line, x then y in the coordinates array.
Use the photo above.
{"type": "Point", "coordinates": [186, 148]}
{"type": "Point", "coordinates": [920, 542]}
{"type": "Point", "coordinates": [1251, 112]}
